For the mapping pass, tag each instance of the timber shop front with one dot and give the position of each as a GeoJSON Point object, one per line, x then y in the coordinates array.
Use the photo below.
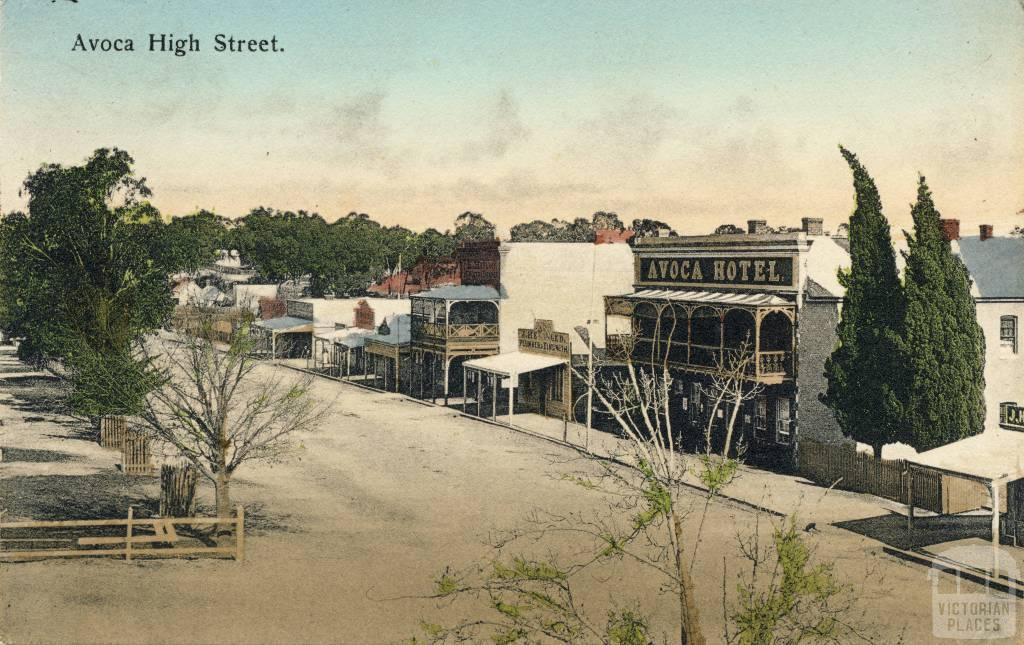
{"type": "Point", "coordinates": [768, 301]}
{"type": "Point", "coordinates": [534, 378]}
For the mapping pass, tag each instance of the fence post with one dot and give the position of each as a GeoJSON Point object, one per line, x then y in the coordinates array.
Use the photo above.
{"type": "Point", "coordinates": [128, 542]}
{"type": "Point", "coordinates": [240, 534]}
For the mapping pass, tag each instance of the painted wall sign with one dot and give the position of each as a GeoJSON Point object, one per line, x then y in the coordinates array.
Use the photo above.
{"type": "Point", "coordinates": [543, 339]}
{"type": "Point", "coordinates": [299, 309]}
{"type": "Point", "coordinates": [737, 271]}
{"type": "Point", "coordinates": [1011, 416]}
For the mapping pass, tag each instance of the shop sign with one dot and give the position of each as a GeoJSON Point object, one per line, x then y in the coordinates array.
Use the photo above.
{"type": "Point", "coordinates": [543, 339]}
{"type": "Point", "coordinates": [1011, 416]}
{"type": "Point", "coordinates": [299, 309]}
{"type": "Point", "coordinates": [738, 271]}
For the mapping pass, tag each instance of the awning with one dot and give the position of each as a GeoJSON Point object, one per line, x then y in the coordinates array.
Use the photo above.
{"type": "Point", "coordinates": [285, 325]}
{"type": "Point", "coordinates": [710, 297]}
{"type": "Point", "coordinates": [351, 338]}
{"type": "Point", "coordinates": [991, 456]}
{"type": "Point", "coordinates": [514, 363]}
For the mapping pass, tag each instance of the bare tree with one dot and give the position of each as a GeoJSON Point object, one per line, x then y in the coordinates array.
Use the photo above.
{"type": "Point", "coordinates": [729, 385]}
{"type": "Point", "coordinates": [219, 409]}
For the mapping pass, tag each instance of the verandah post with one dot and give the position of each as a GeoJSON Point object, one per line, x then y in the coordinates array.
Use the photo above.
{"type": "Point", "coordinates": [128, 540]}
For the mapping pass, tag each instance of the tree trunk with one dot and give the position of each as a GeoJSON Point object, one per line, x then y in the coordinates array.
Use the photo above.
{"type": "Point", "coordinates": [877, 449]}
{"type": "Point", "coordinates": [223, 486]}
{"type": "Point", "coordinates": [689, 615]}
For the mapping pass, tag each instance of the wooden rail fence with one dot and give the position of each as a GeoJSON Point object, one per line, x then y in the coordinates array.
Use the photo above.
{"type": "Point", "coordinates": [829, 464]}
{"type": "Point", "coordinates": [155, 537]}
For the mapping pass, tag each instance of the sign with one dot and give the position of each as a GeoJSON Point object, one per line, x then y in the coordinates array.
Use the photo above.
{"type": "Point", "coordinates": [543, 339]}
{"type": "Point", "coordinates": [736, 271]}
{"type": "Point", "coordinates": [1011, 416]}
{"type": "Point", "coordinates": [299, 309]}
{"type": "Point", "coordinates": [479, 262]}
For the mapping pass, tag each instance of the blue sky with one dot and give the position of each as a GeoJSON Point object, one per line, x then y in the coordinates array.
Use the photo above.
{"type": "Point", "coordinates": [695, 113]}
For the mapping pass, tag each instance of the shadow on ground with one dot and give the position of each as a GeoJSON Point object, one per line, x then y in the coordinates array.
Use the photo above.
{"type": "Point", "coordinates": [891, 529]}
{"type": "Point", "coordinates": [84, 497]}
{"type": "Point", "coordinates": [38, 456]}
{"type": "Point", "coordinates": [35, 394]}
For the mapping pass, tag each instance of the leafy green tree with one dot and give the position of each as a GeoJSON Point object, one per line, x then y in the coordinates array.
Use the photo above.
{"type": "Point", "coordinates": [473, 227]}
{"type": "Point", "coordinates": [607, 220]}
{"type": "Point", "coordinates": [945, 346]}
{"type": "Point", "coordinates": [191, 242]}
{"type": "Point", "coordinates": [651, 228]}
{"type": "Point", "coordinates": [84, 284]}
{"type": "Point", "coordinates": [866, 373]}
{"type": "Point", "coordinates": [728, 229]}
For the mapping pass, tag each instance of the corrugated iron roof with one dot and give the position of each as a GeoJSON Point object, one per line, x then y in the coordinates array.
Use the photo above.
{"type": "Point", "coordinates": [710, 297]}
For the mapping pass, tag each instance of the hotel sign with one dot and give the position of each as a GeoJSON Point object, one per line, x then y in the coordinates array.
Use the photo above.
{"type": "Point", "coordinates": [299, 309]}
{"type": "Point", "coordinates": [543, 339]}
{"type": "Point", "coordinates": [1011, 416]}
{"type": "Point", "coordinates": [732, 271]}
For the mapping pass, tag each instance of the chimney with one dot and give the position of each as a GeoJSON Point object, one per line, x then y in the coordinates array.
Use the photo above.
{"type": "Point", "coordinates": [985, 231]}
{"type": "Point", "coordinates": [812, 225]}
{"type": "Point", "coordinates": [950, 229]}
{"type": "Point", "coordinates": [757, 226]}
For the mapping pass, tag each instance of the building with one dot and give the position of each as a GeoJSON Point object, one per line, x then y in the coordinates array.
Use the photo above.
{"type": "Point", "coordinates": [996, 266]}
{"type": "Point", "coordinates": [454, 323]}
{"type": "Point", "coordinates": [699, 301]}
{"type": "Point", "coordinates": [387, 354]}
{"type": "Point", "coordinates": [551, 316]}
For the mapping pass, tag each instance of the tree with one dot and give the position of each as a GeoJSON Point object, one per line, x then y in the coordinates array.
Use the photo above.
{"type": "Point", "coordinates": [945, 346]}
{"type": "Point", "coordinates": [728, 229]}
{"type": "Point", "coordinates": [607, 220]}
{"type": "Point", "coordinates": [473, 227]}
{"type": "Point", "coordinates": [651, 228]}
{"type": "Point", "coordinates": [81, 281]}
{"type": "Point", "coordinates": [729, 385]}
{"type": "Point", "coordinates": [191, 242]}
{"type": "Point", "coordinates": [865, 373]}
{"type": "Point", "coordinates": [219, 409]}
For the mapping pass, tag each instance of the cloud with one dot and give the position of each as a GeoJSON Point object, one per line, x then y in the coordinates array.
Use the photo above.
{"type": "Point", "coordinates": [356, 135]}
{"type": "Point", "coordinates": [504, 130]}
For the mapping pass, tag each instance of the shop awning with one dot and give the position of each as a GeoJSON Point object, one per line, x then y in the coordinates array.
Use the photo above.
{"type": "Point", "coordinates": [285, 325]}
{"type": "Point", "coordinates": [513, 363]}
{"type": "Point", "coordinates": [991, 456]}
{"type": "Point", "coordinates": [351, 338]}
{"type": "Point", "coordinates": [710, 297]}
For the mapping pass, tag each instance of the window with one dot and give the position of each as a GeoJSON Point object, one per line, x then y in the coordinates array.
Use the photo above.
{"type": "Point", "coordinates": [695, 405]}
{"type": "Point", "coordinates": [761, 417]}
{"type": "Point", "coordinates": [783, 427]}
{"type": "Point", "coordinates": [1008, 333]}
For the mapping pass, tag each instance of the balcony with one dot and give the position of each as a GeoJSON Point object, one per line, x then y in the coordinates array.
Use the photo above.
{"type": "Point", "coordinates": [441, 331]}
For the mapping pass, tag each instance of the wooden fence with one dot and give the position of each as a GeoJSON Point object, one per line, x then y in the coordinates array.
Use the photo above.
{"type": "Point", "coordinates": [135, 458]}
{"type": "Point", "coordinates": [829, 464]}
{"type": "Point", "coordinates": [154, 537]}
{"type": "Point", "coordinates": [178, 490]}
{"type": "Point", "coordinates": [112, 431]}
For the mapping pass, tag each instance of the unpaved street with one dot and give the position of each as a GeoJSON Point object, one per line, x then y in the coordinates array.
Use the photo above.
{"type": "Point", "coordinates": [370, 507]}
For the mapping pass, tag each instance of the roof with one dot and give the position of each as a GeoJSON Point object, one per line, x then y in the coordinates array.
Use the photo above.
{"type": "Point", "coordinates": [351, 337]}
{"type": "Point", "coordinates": [996, 265]}
{"type": "Point", "coordinates": [989, 456]}
{"type": "Point", "coordinates": [514, 363]}
{"type": "Point", "coordinates": [400, 331]}
{"type": "Point", "coordinates": [815, 290]}
{"type": "Point", "coordinates": [710, 297]}
{"type": "Point", "coordinates": [460, 292]}
{"type": "Point", "coordinates": [286, 324]}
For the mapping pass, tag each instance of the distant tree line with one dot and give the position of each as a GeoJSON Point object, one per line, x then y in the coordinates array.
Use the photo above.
{"type": "Point", "coordinates": [584, 230]}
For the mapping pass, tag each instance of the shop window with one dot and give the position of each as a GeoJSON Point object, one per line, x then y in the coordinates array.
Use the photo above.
{"type": "Point", "coordinates": [783, 421]}
{"type": "Point", "coordinates": [761, 418]}
{"type": "Point", "coordinates": [1008, 333]}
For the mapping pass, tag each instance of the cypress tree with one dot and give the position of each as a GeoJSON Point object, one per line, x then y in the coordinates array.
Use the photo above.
{"type": "Point", "coordinates": [865, 373]}
{"type": "Point", "coordinates": [945, 346]}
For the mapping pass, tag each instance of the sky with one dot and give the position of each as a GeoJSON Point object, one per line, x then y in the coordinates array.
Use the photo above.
{"type": "Point", "coordinates": [695, 113]}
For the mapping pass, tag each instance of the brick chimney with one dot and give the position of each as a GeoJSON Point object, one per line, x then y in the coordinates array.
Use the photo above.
{"type": "Point", "coordinates": [985, 231]}
{"type": "Point", "coordinates": [812, 225]}
{"type": "Point", "coordinates": [950, 229]}
{"type": "Point", "coordinates": [757, 226]}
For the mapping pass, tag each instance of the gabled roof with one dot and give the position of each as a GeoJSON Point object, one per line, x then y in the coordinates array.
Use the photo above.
{"type": "Point", "coordinates": [996, 265]}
